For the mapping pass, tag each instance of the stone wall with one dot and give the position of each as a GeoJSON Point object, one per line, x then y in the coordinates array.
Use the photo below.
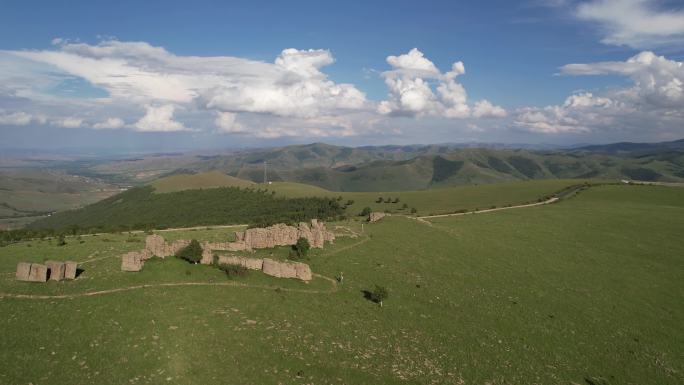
{"type": "Point", "coordinates": [55, 270]}
{"type": "Point", "coordinates": [132, 261]}
{"type": "Point", "coordinates": [156, 246]}
{"type": "Point", "coordinates": [283, 235]}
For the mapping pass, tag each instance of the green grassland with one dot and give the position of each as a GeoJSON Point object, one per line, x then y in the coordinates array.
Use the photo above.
{"type": "Point", "coordinates": [210, 179]}
{"type": "Point", "coordinates": [144, 207]}
{"type": "Point", "coordinates": [585, 291]}
{"type": "Point", "coordinates": [438, 200]}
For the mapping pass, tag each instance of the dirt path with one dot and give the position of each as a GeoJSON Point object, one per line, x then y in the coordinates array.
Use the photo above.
{"type": "Point", "coordinates": [546, 202]}
{"type": "Point", "coordinates": [333, 289]}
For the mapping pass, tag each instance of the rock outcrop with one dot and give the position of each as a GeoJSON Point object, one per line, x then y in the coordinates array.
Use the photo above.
{"type": "Point", "coordinates": [375, 216]}
{"type": "Point", "coordinates": [132, 261]}
{"type": "Point", "coordinates": [56, 269]}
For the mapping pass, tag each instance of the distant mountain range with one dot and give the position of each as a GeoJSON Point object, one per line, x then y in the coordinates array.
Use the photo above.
{"type": "Point", "coordinates": [392, 168]}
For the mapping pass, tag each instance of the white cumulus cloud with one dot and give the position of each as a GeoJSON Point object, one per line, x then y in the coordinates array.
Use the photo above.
{"type": "Point", "coordinates": [159, 119]}
{"type": "Point", "coordinates": [411, 92]}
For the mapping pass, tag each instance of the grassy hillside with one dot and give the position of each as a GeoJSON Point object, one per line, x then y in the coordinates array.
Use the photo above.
{"type": "Point", "coordinates": [587, 291]}
{"type": "Point", "coordinates": [142, 208]}
{"type": "Point", "coordinates": [392, 169]}
{"type": "Point", "coordinates": [434, 201]}
{"type": "Point", "coordinates": [211, 179]}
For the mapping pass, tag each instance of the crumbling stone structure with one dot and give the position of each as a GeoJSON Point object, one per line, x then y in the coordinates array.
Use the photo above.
{"type": "Point", "coordinates": [133, 261]}
{"type": "Point", "coordinates": [375, 216]}
{"type": "Point", "coordinates": [283, 235]}
{"type": "Point", "coordinates": [156, 246]}
{"type": "Point", "coordinates": [249, 263]}
{"type": "Point", "coordinates": [257, 238]}
{"type": "Point", "coordinates": [55, 270]}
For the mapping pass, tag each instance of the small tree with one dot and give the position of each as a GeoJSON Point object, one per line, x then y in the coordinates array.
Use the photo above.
{"type": "Point", "coordinates": [301, 248]}
{"type": "Point", "coordinates": [413, 210]}
{"type": "Point", "coordinates": [396, 200]}
{"type": "Point", "coordinates": [379, 200]}
{"type": "Point", "coordinates": [61, 241]}
{"type": "Point", "coordinates": [378, 294]}
{"type": "Point", "coordinates": [349, 202]}
{"type": "Point", "coordinates": [404, 206]}
{"type": "Point", "coordinates": [365, 212]}
{"type": "Point", "coordinates": [191, 253]}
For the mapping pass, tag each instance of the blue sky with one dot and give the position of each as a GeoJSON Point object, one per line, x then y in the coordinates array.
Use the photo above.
{"type": "Point", "coordinates": [515, 56]}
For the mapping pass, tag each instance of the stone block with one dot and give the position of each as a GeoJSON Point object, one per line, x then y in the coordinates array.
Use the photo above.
{"type": "Point", "coordinates": [303, 271]}
{"type": "Point", "coordinates": [38, 273]}
{"type": "Point", "coordinates": [56, 270]}
{"type": "Point", "coordinates": [131, 262]}
{"type": "Point", "coordinates": [70, 269]}
{"type": "Point", "coordinates": [23, 271]}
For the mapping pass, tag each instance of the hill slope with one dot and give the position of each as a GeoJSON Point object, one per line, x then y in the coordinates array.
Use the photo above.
{"type": "Point", "coordinates": [421, 167]}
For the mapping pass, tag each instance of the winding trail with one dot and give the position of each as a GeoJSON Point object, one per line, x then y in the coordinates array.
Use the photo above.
{"type": "Point", "coordinates": [546, 202]}
{"type": "Point", "coordinates": [333, 288]}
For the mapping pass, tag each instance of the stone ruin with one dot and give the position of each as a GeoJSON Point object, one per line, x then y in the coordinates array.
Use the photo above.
{"type": "Point", "coordinates": [54, 270]}
{"type": "Point", "coordinates": [283, 235]}
{"type": "Point", "coordinates": [257, 238]}
{"type": "Point", "coordinates": [270, 267]}
{"type": "Point", "coordinates": [375, 216]}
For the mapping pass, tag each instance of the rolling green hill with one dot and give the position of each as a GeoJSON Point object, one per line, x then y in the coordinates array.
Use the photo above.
{"type": "Point", "coordinates": [422, 167]}
{"type": "Point", "coordinates": [142, 208]}
{"type": "Point", "coordinates": [210, 179]}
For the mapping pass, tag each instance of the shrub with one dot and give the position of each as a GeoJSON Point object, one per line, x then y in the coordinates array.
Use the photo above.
{"type": "Point", "coordinates": [301, 248]}
{"type": "Point", "coordinates": [378, 294]}
{"type": "Point", "coordinates": [379, 200]}
{"type": "Point", "coordinates": [365, 212]}
{"type": "Point", "coordinates": [404, 206]}
{"type": "Point", "coordinates": [191, 253]}
{"type": "Point", "coordinates": [396, 200]}
{"type": "Point", "coordinates": [234, 270]}
{"type": "Point", "coordinates": [413, 210]}
{"type": "Point", "coordinates": [350, 202]}
{"type": "Point", "coordinates": [61, 241]}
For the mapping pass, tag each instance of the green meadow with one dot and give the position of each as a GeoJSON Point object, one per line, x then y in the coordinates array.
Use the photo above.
{"type": "Point", "coordinates": [585, 291]}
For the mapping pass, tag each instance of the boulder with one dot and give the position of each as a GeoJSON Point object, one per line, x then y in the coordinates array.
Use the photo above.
{"type": "Point", "coordinates": [132, 261]}
{"type": "Point", "coordinates": [23, 271]}
{"type": "Point", "coordinates": [38, 273]}
{"type": "Point", "coordinates": [288, 270]}
{"type": "Point", "coordinates": [375, 216]}
{"type": "Point", "coordinates": [70, 269]}
{"type": "Point", "coordinates": [56, 269]}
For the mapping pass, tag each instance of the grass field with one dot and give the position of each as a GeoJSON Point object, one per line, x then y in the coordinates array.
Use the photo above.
{"type": "Point", "coordinates": [437, 200]}
{"type": "Point", "coordinates": [195, 181]}
{"type": "Point", "coordinates": [586, 291]}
